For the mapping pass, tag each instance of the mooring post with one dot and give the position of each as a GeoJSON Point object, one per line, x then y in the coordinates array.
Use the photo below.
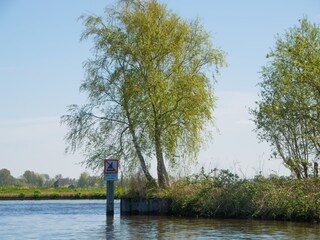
{"type": "Point", "coordinates": [110, 197]}
{"type": "Point", "coordinates": [110, 175]}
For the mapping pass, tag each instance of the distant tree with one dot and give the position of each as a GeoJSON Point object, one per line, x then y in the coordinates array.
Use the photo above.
{"type": "Point", "coordinates": [45, 176]}
{"type": "Point", "coordinates": [149, 95]}
{"type": "Point", "coordinates": [5, 178]}
{"type": "Point", "coordinates": [288, 113]}
{"type": "Point", "coordinates": [72, 181]}
{"type": "Point", "coordinates": [48, 182]}
{"type": "Point", "coordinates": [33, 179]}
{"type": "Point", "coordinates": [92, 181]}
{"type": "Point", "coordinates": [83, 180]}
{"type": "Point", "coordinates": [58, 176]}
{"type": "Point", "coordinates": [101, 182]}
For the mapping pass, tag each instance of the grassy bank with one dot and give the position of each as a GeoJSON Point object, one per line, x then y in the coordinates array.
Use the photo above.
{"type": "Point", "coordinates": [32, 193]}
{"type": "Point", "coordinates": [208, 195]}
{"type": "Point", "coordinates": [228, 196]}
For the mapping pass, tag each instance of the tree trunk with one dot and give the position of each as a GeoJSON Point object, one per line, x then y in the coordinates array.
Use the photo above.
{"type": "Point", "coordinates": [140, 157]}
{"type": "Point", "coordinates": [305, 170]}
{"type": "Point", "coordinates": [297, 172]}
{"type": "Point", "coordinates": [315, 169]}
{"type": "Point", "coordinates": [163, 179]}
{"type": "Point", "coordinates": [138, 150]}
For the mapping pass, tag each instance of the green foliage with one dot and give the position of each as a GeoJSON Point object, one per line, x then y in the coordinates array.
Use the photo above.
{"type": "Point", "coordinates": [149, 93]}
{"type": "Point", "coordinates": [288, 114]}
{"type": "Point", "coordinates": [54, 196]}
{"type": "Point", "coordinates": [207, 195]}
{"type": "Point", "coordinates": [33, 179]}
{"type": "Point", "coordinates": [277, 198]}
{"type": "Point", "coordinates": [87, 181]}
{"type": "Point", "coordinates": [137, 186]}
{"type": "Point", "coordinates": [36, 194]}
{"type": "Point", "coordinates": [54, 193]}
{"type": "Point", "coordinates": [83, 180]}
{"type": "Point", "coordinates": [226, 178]}
{"type": "Point", "coordinates": [5, 178]}
{"type": "Point", "coordinates": [288, 199]}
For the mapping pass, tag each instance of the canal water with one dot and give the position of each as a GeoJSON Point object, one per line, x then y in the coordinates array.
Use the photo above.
{"type": "Point", "coordinates": [85, 219]}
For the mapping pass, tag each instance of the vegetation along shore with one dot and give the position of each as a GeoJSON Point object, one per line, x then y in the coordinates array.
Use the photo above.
{"type": "Point", "coordinates": [225, 195]}
{"type": "Point", "coordinates": [214, 195]}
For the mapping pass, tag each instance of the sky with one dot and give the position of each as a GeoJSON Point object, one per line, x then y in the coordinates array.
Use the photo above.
{"type": "Point", "coordinates": [41, 68]}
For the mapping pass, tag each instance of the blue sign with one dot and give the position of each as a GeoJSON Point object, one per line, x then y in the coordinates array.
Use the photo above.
{"type": "Point", "coordinates": [111, 169]}
{"type": "Point", "coordinates": [111, 177]}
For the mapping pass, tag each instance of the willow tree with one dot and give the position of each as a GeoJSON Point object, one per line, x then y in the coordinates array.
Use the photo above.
{"type": "Point", "coordinates": [149, 93]}
{"type": "Point", "coordinates": [288, 114]}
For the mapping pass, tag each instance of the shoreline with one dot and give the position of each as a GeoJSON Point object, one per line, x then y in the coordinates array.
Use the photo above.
{"type": "Point", "coordinates": [38, 193]}
{"type": "Point", "coordinates": [72, 197]}
{"type": "Point", "coordinates": [159, 212]}
{"type": "Point", "coordinates": [204, 196]}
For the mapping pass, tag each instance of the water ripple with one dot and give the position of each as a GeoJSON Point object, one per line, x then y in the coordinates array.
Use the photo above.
{"type": "Point", "coordinates": [85, 219]}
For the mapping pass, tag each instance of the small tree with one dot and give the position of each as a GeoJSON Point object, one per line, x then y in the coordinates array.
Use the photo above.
{"type": "Point", "coordinates": [33, 179]}
{"type": "Point", "coordinates": [83, 180]}
{"type": "Point", "coordinates": [5, 177]}
{"type": "Point", "coordinates": [149, 95]}
{"type": "Point", "coordinates": [288, 114]}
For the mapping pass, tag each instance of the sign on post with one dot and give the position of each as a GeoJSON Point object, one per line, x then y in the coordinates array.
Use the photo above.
{"type": "Point", "coordinates": [111, 169]}
{"type": "Point", "coordinates": [110, 175]}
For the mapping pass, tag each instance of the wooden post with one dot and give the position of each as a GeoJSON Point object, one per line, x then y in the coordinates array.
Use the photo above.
{"type": "Point", "coordinates": [110, 197]}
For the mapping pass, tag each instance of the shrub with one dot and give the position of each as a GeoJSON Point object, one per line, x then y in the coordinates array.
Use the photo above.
{"type": "Point", "coordinates": [227, 196]}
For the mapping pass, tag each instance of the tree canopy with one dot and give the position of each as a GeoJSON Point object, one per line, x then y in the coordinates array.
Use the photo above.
{"type": "Point", "coordinates": [149, 91]}
{"type": "Point", "coordinates": [5, 177]}
{"type": "Point", "coordinates": [288, 114]}
{"type": "Point", "coordinates": [33, 179]}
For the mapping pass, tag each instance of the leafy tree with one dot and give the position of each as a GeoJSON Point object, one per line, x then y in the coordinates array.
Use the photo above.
{"type": "Point", "coordinates": [33, 179]}
{"type": "Point", "coordinates": [48, 182]}
{"type": "Point", "coordinates": [83, 180]}
{"type": "Point", "coordinates": [96, 181]}
{"type": "Point", "coordinates": [288, 114]}
{"type": "Point", "coordinates": [149, 94]}
{"type": "Point", "coordinates": [5, 177]}
{"type": "Point", "coordinates": [45, 176]}
{"type": "Point", "coordinates": [58, 176]}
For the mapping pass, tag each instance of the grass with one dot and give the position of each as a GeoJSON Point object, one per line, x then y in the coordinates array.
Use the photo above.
{"type": "Point", "coordinates": [259, 198]}
{"type": "Point", "coordinates": [28, 193]}
{"type": "Point", "coordinates": [228, 196]}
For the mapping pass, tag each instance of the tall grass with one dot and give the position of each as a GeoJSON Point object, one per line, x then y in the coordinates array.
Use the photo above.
{"type": "Point", "coordinates": [227, 196]}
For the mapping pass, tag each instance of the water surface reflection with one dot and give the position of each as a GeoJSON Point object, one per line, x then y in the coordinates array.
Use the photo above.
{"type": "Point", "coordinates": [86, 220]}
{"type": "Point", "coordinates": [150, 227]}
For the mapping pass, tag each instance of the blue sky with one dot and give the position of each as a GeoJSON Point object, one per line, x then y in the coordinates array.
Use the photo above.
{"type": "Point", "coordinates": [41, 61]}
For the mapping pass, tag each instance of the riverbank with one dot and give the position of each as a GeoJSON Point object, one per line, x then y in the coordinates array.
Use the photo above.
{"type": "Point", "coordinates": [225, 195]}
{"type": "Point", "coordinates": [33, 193]}
{"type": "Point", "coordinates": [207, 196]}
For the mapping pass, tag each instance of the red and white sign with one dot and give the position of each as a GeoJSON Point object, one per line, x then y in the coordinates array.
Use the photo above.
{"type": "Point", "coordinates": [111, 169]}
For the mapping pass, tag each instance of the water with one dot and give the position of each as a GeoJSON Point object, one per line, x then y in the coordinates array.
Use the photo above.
{"type": "Point", "coordinates": [84, 219]}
